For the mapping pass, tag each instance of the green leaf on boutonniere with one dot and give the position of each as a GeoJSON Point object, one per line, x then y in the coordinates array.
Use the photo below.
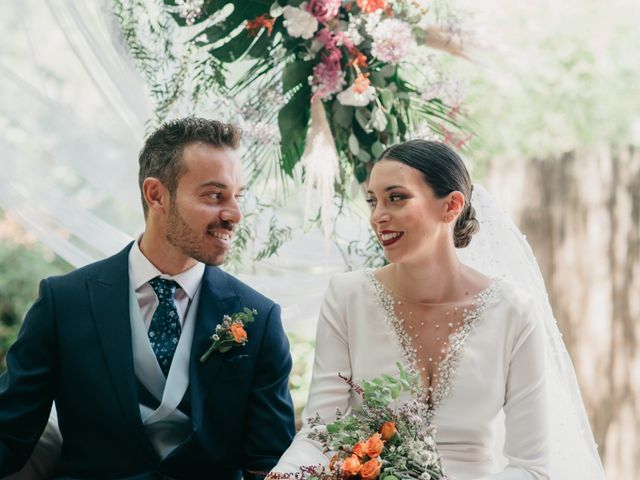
{"type": "Point", "coordinates": [230, 333]}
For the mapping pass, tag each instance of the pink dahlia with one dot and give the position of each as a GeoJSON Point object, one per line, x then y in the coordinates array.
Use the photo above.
{"type": "Point", "coordinates": [324, 10]}
{"type": "Point", "coordinates": [392, 40]}
{"type": "Point", "coordinates": [328, 77]}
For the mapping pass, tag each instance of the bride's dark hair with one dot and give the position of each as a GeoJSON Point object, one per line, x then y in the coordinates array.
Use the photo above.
{"type": "Point", "coordinates": [444, 171]}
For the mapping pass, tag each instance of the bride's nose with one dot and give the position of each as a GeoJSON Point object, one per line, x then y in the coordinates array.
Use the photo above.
{"type": "Point", "coordinates": [379, 214]}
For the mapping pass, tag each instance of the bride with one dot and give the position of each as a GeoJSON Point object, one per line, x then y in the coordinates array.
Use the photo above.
{"type": "Point", "coordinates": [496, 378]}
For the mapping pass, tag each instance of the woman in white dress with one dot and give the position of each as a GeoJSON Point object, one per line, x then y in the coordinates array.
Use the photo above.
{"type": "Point", "coordinates": [480, 344]}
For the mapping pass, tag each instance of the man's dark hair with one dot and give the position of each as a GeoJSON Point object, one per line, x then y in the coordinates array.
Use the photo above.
{"type": "Point", "coordinates": [161, 156]}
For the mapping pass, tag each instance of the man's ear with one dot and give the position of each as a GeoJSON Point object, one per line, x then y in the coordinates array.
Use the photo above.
{"type": "Point", "coordinates": [155, 194]}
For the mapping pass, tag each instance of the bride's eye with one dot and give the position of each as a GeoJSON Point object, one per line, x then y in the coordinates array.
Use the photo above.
{"type": "Point", "coordinates": [371, 201]}
{"type": "Point", "coordinates": [396, 197]}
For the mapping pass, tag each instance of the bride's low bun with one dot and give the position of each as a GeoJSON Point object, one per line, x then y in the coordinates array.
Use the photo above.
{"type": "Point", "coordinates": [466, 226]}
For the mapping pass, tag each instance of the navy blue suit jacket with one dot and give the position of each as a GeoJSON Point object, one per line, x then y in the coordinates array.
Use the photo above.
{"type": "Point", "coordinates": [75, 348]}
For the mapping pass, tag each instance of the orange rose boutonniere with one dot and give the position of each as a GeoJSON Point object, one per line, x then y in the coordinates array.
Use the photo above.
{"type": "Point", "coordinates": [230, 333]}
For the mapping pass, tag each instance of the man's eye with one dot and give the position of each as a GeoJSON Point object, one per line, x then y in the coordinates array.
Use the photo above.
{"type": "Point", "coordinates": [216, 195]}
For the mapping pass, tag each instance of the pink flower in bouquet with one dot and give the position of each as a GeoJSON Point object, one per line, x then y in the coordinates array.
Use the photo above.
{"type": "Point", "coordinates": [392, 40]}
{"type": "Point", "coordinates": [324, 10]}
{"type": "Point", "coordinates": [328, 77]}
{"type": "Point", "coordinates": [326, 38]}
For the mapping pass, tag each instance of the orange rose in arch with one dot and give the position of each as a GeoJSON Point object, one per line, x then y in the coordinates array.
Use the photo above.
{"type": "Point", "coordinates": [371, 469]}
{"type": "Point", "coordinates": [388, 430]}
{"type": "Point", "coordinates": [351, 466]}
{"type": "Point", "coordinates": [370, 6]}
{"type": "Point", "coordinates": [238, 332]}
{"type": "Point", "coordinates": [374, 445]}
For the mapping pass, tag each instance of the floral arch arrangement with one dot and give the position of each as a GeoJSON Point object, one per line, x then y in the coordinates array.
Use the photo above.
{"type": "Point", "coordinates": [341, 79]}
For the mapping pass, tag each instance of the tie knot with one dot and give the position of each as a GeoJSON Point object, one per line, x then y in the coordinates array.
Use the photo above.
{"type": "Point", "coordinates": [164, 288]}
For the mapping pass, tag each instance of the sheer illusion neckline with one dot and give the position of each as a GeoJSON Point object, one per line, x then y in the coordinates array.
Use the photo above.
{"type": "Point", "coordinates": [433, 395]}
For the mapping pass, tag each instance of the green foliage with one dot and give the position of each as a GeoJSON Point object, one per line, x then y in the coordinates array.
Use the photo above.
{"type": "Point", "coordinates": [558, 79]}
{"type": "Point", "coordinates": [23, 264]}
{"type": "Point", "coordinates": [371, 251]}
{"type": "Point", "coordinates": [244, 239]}
{"type": "Point", "coordinates": [276, 237]}
{"type": "Point", "coordinates": [302, 352]}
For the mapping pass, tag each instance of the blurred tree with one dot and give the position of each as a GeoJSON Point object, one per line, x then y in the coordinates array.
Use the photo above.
{"type": "Point", "coordinates": [23, 262]}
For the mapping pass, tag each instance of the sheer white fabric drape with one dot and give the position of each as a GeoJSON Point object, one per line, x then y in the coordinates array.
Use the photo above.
{"type": "Point", "coordinates": [500, 250]}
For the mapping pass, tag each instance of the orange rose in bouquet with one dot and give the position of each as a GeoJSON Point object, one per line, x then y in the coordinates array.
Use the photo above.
{"type": "Point", "coordinates": [374, 446]}
{"type": "Point", "coordinates": [371, 469]}
{"type": "Point", "coordinates": [352, 465]}
{"type": "Point", "coordinates": [381, 438]}
{"type": "Point", "coordinates": [388, 431]}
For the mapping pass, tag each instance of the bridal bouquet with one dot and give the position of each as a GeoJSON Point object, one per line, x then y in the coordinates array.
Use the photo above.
{"type": "Point", "coordinates": [379, 440]}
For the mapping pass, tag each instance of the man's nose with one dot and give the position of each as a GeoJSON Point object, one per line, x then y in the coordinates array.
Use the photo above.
{"type": "Point", "coordinates": [231, 213]}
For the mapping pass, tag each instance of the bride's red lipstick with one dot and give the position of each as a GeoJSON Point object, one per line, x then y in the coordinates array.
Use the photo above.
{"type": "Point", "coordinates": [389, 237]}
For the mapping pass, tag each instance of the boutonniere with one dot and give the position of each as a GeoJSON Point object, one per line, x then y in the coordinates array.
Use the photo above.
{"type": "Point", "coordinates": [230, 333]}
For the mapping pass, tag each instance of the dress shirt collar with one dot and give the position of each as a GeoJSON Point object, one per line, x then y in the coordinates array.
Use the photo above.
{"type": "Point", "coordinates": [142, 270]}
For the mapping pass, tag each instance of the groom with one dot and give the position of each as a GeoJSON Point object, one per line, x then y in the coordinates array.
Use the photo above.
{"type": "Point", "coordinates": [118, 344]}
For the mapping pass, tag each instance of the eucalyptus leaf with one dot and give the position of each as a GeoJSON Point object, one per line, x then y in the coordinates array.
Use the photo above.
{"type": "Point", "coordinates": [386, 97]}
{"type": "Point", "coordinates": [388, 70]}
{"type": "Point", "coordinates": [377, 79]}
{"type": "Point", "coordinates": [275, 10]}
{"type": "Point", "coordinates": [363, 116]}
{"type": "Point", "coordinates": [342, 115]}
{"type": "Point", "coordinates": [364, 155]}
{"type": "Point", "coordinates": [376, 149]}
{"type": "Point", "coordinates": [354, 146]}
{"type": "Point", "coordinates": [392, 126]}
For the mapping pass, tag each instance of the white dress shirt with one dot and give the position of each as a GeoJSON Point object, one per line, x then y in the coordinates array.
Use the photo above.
{"type": "Point", "coordinates": [141, 270]}
{"type": "Point", "coordinates": [166, 426]}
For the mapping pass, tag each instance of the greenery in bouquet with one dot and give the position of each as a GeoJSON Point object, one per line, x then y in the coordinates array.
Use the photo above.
{"type": "Point", "coordinates": [380, 438]}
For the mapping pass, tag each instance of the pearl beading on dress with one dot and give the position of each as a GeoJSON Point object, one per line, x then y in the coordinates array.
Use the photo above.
{"type": "Point", "coordinates": [433, 397]}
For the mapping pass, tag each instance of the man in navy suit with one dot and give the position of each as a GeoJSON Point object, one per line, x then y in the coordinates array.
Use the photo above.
{"type": "Point", "coordinates": [118, 344]}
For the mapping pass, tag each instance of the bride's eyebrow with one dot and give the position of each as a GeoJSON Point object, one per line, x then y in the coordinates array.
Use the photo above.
{"type": "Point", "coordinates": [390, 187]}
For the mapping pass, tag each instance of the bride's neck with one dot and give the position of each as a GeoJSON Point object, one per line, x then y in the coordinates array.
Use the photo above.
{"type": "Point", "coordinates": [437, 279]}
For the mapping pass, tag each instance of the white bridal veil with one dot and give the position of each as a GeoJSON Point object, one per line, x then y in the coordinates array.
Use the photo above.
{"type": "Point", "coordinates": [500, 250]}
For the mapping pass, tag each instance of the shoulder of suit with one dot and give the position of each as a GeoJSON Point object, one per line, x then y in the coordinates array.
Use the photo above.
{"type": "Point", "coordinates": [244, 290]}
{"type": "Point", "coordinates": [91, 270]}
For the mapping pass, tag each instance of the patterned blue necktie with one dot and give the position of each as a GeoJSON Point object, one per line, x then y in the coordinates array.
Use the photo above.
{"type": "Point", "coordinates": [164, 330]}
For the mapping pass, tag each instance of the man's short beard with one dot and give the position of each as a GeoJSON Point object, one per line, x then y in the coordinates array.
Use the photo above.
{"type": "Point", "coordinates": [187, 240]}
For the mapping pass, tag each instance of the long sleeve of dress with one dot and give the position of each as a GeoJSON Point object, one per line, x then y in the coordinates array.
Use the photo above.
{"type": "Point", "coordinates": [527, 442]}
{"type": "Point", "coordinates": [328, 391]}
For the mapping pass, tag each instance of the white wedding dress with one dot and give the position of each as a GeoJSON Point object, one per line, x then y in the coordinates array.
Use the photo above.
{"type": "Point", "coordinates": [494, 369]}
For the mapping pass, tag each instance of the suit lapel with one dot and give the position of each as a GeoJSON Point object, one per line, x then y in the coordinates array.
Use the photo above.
{"type": "Point", "coordinates": [216, 299]}
{"type": "Point", "coordinates": [109, 298]}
